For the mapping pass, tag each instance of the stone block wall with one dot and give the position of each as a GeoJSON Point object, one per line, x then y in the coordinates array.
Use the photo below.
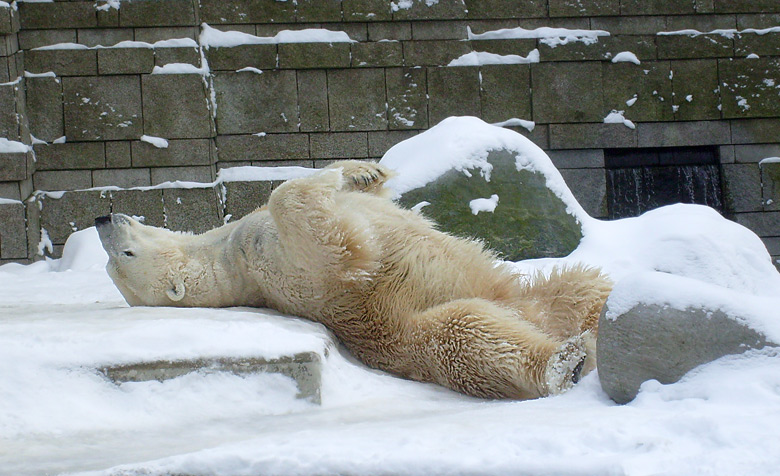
{"type": "Point", "coordinates": [88, 90]}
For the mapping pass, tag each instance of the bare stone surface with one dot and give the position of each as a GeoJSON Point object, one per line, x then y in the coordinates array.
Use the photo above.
{"type": "Point", "coordinates": [102, 107]}
{"type": "Point", "coordinates": [274, 107]}
{"type": "Point", "coordinates": [175, 106]}
{"type": "Point", "coordinates": [651, 341]}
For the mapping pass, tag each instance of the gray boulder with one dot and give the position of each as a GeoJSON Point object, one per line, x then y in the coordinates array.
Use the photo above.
{"type": "Point", "coordinates": [658, 341]}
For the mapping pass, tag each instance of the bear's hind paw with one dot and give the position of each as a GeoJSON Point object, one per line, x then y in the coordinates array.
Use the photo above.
{"type": "Point", "coordinates": [564, 369]}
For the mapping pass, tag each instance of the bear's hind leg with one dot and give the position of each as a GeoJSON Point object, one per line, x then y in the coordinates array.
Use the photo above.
{"type": "Point", "coordinates": [483, 349]}
{"type": "Point", "coordinates": [360, 176]}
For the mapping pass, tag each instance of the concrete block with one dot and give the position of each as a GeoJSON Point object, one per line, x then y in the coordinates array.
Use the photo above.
{"type": "Point", "coordinates": [540, 135]}
{"type": "Point", "coordinates": [755, 152]}
{"type": "Point", "coordinates": [751, 131]}
{"type": "Point", "coordinates": [770, 187]}
{"type": "Point", "coordinates": [274, 108]}
{"type": "Point", "coordinates": [407, 98]}
{"type": "Point", "coordinates": [118, 154]}
{"type": "Point", "coordinates": [586, 8]}
{"type": "Point", "coordinates": [6, 25]}
{"type": "Point", "coordinates": [175, 106]}
{"type": "Point", "coordinates": [202, 174]}
{"type": "Point", "coordinates": [9, 120]}
{"type": "Point", "coordinates": [441, 10]}
{"type": "Point", "coordinates": [13, 235]}
{"type": "Point", "coordinates": [701, 23]}
{"type": "Point", "coordinates": [10, 191]}
{"type": "Point", "coordinates": [505, 92]}
{"type": "Point", "coordinates": [242, 198]}
{"type": "Point", "coordinates": [104, 36]}
{"type": "Point", "coordinates": [122, 178]}
{"type": "Point", "coordinates": [196, 210]}
{"type": "Point", "coordinates": [630, 25]}
{"type": "Point", "coordinates": [679, 134]}
{"type": "Point", "coordinates": [102, 108]}
{"type": "Point", "coordinates": [440, 30]}
{"type": "Point", "coordinates": [560, 94]}
{"type": "Point", "coordinates": [246, 11]}
{"type": "Point", "coordinates": [658, 342]}
{"type": "Point", "coordinates": [452, 92]}
{"type": "Point", "coordinates": [381, 141]}
{"type": "Point", "coordinates": [577, 158]}
{"type": "Point", "coordinates": [33, 16]}
{"type": "Point", "coordinates": [506, 9]}
{"type": "Point", "coordinates": [57, 180]}
{"type": "Point", "coordinates": [762, 224]}
{"type": "Point", "coordinates": [318, 11]}
{"type": "Point", "coordinates": [589, 187]}
{"type": "Point", "coordinates": [241, 56]}
{"type": "Point", "coordinates": [125, 60]}
{"type": "Point", "coordinates": [141, 203]}
{"type": "Point", "coordinates": [163, 56]}
{"type": "Point", "coordinates": [741, 188]}
{"type": "Point", "coordinates": [263, 148]}
{"type": "Point", "coordinates": [695, 85]}
{"type": "Point", "coordinates": [726, 154]}
{"type": "Point", "coordinates": [158, 13]}
{"type": "Point", "coordinates": [383, 53]}
{"type": "Point", "coordinates": [314, 55]}
{"type": "Point", "coordinates": [750, 87]}
{"type": "Point", "coordinates": [605, 48]}
{"type": "Point", "coordinates": [757, 20]}
{"type": "Point", "coordinates": [389, 31]}
{"type": "Point", "coordinates": [649, 83]}
{"type": "Point", "coordinates": [746, 6]}
{"type": "Point", "coordinates": [70, 155]}
{"type": "Point", "coordinates": [178, 153]}
{"type": "Point", "coordinates": [656, 7]}
{"type": "Point", "coordinates": [357, 112]}
{"type": "Point", "coordinates": [434, 53]}
{"type": "Point", "coordinates": [29, 39]}
{"type": "Point", "coordinates": [14, 166]}
{"type": "Point", "coordinates": [366, 10]}
{"type": "Point", "coordinates": [313, 100]}
{"type": "Point", "coordinates": [689, 46]}
{"type": "Point", "coordinates": [68, 62]}
{"type": "Point", "coordinates": [155, 34]}
{"type": "Point", "coordinates": [74, 211]}
{"type": "Point", "coordinates": [339, 145]}
{"type": "Point", "coordinates": [591, 136]}
{"type": "Point", "coordinates": [303, 368]}
{"type": "Point", "coordinates": [761, 45]}
{"type": "Point", "coordinates": [108, 18]}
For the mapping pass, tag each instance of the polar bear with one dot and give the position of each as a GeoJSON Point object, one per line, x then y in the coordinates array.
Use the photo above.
{"type": "Point", "coordinates": [402, 296]}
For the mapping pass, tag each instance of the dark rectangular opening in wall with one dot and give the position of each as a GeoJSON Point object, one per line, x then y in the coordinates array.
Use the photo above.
{"type": "Point", "coordinates": [639, 180]}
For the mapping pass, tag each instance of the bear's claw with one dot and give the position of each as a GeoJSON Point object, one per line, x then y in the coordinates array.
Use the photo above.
{"type": "Point", "coordinates": [564, 369]}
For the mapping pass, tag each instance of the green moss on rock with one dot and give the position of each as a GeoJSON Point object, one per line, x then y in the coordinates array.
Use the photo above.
{"type": "Point", "coordinates": [530, 221]}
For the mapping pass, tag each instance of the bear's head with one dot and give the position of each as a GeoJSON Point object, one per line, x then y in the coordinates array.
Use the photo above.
{"type": "Point", "coordinates": [146, 263]}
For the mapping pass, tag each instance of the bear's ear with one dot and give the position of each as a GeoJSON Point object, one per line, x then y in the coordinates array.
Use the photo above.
{"type": "Point", "coordinates": [176, 291]}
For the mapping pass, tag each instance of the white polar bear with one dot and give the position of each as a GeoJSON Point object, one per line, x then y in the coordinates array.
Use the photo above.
{"type": "Point", "coordinates": [402, 296]}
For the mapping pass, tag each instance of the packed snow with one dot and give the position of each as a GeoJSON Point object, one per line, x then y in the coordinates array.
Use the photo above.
{"type": "Point", "coordinates": [617, 117]}
{"type": "Point", "coordinates": [158, 142]}
{"type": "Point", "coordinates": [62, 320]}
{"type": "Point", "coordinates": [479, 58]}
{"type": "Point", "coordinates": [551, 37]}
{"type": "Point", "coordinates": [626, 57]}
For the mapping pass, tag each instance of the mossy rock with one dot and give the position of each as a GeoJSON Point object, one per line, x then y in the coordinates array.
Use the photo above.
{"type": "Point", "coordinates": [530, 221]}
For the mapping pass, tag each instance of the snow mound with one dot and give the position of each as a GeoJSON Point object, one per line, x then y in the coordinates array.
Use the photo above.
{"type": "Point", "coordinates": [463, 144]}
{"type": "Point", "coordinates": [83, 251]}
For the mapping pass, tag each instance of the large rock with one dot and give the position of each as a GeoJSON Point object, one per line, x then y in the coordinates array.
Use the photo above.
{"type": "Point", "coordinates": [462, 159]}
{"type": "Point", "coordinates": [656, 336]}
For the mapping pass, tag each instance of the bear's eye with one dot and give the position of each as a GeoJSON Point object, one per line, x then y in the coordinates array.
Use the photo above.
{"type": "Point", "coordinates": [129, 253]}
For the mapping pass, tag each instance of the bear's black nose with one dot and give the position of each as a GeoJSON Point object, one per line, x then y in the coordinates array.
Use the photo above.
{"type": "Point", "coordinates": [104, 220]}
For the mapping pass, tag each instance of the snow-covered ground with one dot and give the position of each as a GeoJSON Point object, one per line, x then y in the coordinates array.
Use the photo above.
{"type": "Point", "coordinates": [60, 321]}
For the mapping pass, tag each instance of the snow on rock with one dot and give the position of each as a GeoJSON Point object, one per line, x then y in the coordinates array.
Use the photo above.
{"type": "Point", "coordinates": [484, 204]}
{"type": "Point", "coordinates": [249, 173]}
{"type": "Point", "coordinates": [549, 36]}
{"type": "Point", "coordinates": [479, 58]}
{"type": "Point", "coordinates": [249, 69]}
{"type": "Point", "coordinates": [769, 160]}
{"type": "Point", "coordinates": [13, 147]}
{"type": "Point", "coordinates": [180, 68]}
{"type": "Point", "coordinates": [211, 37]}
{"type": "Point", "coordinates": [515, 122]}
{"type": "Point", "coordinates": [616, 117]}
{"type": "Point", "coordinates": [158, 142]}
{"type": "Point", "coordinates": [626, 57]}
{"type": "Point", "coordinates": [463, 144]}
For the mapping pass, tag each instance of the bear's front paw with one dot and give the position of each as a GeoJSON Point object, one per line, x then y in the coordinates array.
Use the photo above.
{"type": "Point", "coordinates": [565, 368]}
{"type": "Point", "coordinates": [362, 176]}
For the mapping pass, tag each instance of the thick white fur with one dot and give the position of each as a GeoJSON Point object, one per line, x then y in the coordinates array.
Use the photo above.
{"type": "Point", "coordinates": [402, 296]}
